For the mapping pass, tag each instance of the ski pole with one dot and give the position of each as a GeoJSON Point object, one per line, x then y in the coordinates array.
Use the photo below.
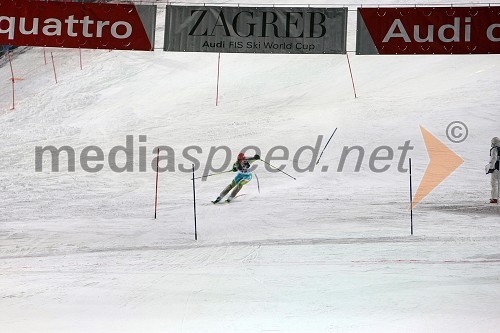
{"type": "Point", "coordinates": [213, 174]}
{"type": "Point", "coordinates": [326, 145]}
{"type": "Point", "coordinates": [258, 184]}
{"type": "Point", "coordinates": [278, 169]}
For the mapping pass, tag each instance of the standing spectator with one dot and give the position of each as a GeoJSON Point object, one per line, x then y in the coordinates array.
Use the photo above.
{"type": "Point", "coordinates": [494, 169]}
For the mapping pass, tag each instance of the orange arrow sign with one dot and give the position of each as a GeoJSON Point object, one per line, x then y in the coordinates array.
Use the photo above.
{"type": "Point", "coordinates": [443, 161]}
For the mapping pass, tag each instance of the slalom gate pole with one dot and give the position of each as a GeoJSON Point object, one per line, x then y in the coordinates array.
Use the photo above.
{"type": "Point", "coordinates": [218, 75]}
{"type": "Point", "coordinates": [258, 184]}
{"type": "Point", "coordinates": [53, 66]}
{"type": "Point", "coordinates": [411, 203]}
{"type": "Point", "coordinates": [156, 190]}
{"type": "Point", "coordinates": [194, 205]}
{"type": "Point", "coordinates": [214, 174]}
{"type": "Point", "coordinates": [326, 145]}
{"type": "Point", "coordinates": [44, 56]}
{"type": "Point", "coordinates": [12, 80]}
{"type": "Point", "coordinates": [279, 170]}
{"type": "Point", "coordinates": [81, 63]}
{"type": "Point", "coordinates": [350, 71]}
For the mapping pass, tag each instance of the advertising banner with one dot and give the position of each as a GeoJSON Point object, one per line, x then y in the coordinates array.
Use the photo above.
{"type": "Point", "coordinates": [77, 25]}
{"type": "Point", "coordinates": [255, 30]}
{"type": "Point", "coordinates": [428, 30]}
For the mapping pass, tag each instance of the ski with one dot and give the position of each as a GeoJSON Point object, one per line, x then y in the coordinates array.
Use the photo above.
{"type": "Point", "coordinates": [225, 201]}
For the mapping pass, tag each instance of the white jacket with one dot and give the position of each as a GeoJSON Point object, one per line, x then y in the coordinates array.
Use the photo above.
{"type": "Point", "coordinates": [494, 157]}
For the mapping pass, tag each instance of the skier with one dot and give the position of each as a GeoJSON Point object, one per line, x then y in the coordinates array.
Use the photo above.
{"type": "Point", "coordinates": [242, 166]}
{"type": "Point", "coordinates": [494, 169]}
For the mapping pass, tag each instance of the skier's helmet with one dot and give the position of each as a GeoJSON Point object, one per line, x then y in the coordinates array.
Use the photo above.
{"type": "Point", "coordinates": [241, 157]}
{"type": "Point", "coordinates": [495, 141]}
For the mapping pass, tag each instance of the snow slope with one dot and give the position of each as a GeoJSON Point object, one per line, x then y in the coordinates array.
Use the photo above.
{"type": "Point", "coordinates": [329, 252]}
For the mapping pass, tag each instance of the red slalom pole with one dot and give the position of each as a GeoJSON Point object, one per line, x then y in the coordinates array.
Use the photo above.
{"type": "Point", "coordinates": [13, 81]}
{"type": "Point", "coordinates": [218, 75]}
{"type": "Point", "coordinates": [156, 191]}
{"type": "Point", "coordinates": [350, 71]}
{"type": "Point", "coordinates": [53, 66]}
{"type": "Point", "coordinates": [81, 64]}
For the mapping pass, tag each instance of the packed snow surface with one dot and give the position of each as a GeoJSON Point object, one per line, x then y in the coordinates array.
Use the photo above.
{"type": "Point", "coordinates": [328, 252]}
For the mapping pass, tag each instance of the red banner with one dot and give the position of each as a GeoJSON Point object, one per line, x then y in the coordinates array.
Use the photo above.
{"type": "Point", "coordinates": [77, 25]}
{"type": "Point", "coordinates": [428, 30]}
